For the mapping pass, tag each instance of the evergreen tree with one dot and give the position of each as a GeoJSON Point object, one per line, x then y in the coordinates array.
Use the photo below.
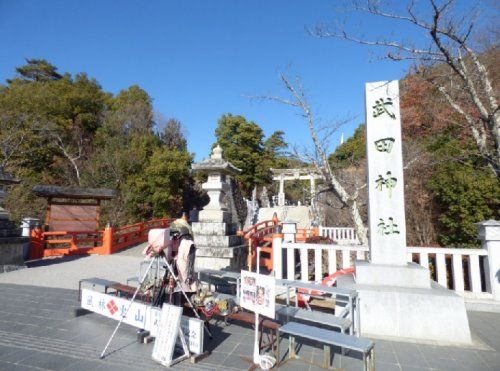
{"type": "Point", "coordinates": [243, 145]}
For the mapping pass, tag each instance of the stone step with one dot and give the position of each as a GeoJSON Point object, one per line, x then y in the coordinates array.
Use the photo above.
{"type": "Point", "coordinates": [217, 241]}
{"type": "Point", "coordinates": [214, 229]}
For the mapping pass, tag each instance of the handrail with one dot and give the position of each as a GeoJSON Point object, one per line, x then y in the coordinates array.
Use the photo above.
{"type": "Point", "coordinates": [247, 233]}
{"type": "Point", "coordinates": [460, 270]}
{"type": "Point", "coordinates": [102, 242]}
{"type": "Point", "coordinates": [446, 250]}
{"type": "Point", "coordinates": [62, 233]}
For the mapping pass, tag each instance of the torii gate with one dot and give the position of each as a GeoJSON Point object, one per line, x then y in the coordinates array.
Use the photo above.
{"type": "Point", "coordinates": [293, 174]}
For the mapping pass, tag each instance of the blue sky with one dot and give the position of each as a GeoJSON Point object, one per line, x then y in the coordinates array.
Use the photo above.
{"type": "Point", "coordinates": [201, 59]}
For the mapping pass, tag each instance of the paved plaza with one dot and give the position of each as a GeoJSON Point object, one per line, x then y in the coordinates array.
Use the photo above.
{"type": "Point", "coordinates": [39, 330]}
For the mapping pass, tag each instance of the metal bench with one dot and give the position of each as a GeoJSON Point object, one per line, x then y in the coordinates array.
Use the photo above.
{"type": "Point", "coordinates": [267, 326]}
{"type": "Point", "coordinates": [329, 338]}
{"type": "Point", "coordinates": [106, 284]}
{"type": "Point", "coordinates": [347, 298]}
{"type": "Point", "coordinates": [211, 274]}
{"type": "Point", "coordinates": [317, 317]}
{"type": "Point", "coordinates": [128, 291]}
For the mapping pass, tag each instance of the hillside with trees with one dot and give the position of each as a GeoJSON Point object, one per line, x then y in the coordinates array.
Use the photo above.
{"type": "Point", "coordinates": [448, 184]}
{"type": "Point", "coordinates": [63, 129]}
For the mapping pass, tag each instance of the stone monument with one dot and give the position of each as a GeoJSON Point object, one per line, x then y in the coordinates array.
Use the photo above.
{"type": "Point", "coordinates": [215, 237]}
{"type": "Point", "coordinates": [397, 298]}
{"type": "Point", "coordinates": [11, 242]}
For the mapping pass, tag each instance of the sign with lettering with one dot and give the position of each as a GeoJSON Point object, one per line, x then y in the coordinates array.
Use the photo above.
{"type": "Point", "coordinates": [142, 316]}
{"type": "Point", "coordinates": [191, 327]}
{"type": "Point", "coordinates": [385, 174]}
{"type": "Point", "coordinates": [258, 293]}
{"type": "Point", "coordinates": [170, 322]}
{"type": "Point", "coordinates": [114, 307]}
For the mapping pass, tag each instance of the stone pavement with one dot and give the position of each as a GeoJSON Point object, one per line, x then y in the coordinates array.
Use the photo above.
{"type": "Point", "coordinates": [38, 330]}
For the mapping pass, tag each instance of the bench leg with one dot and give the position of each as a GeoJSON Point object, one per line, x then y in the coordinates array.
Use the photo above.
{"type": "Point", "coordinates": [278, 356]}
{"type": "Point", "coordinates": [277, 346]}
{"type": "Point", "coordinates": [371, 364]}
{"type": "Point", "coordinates": [291, 349]}
{"type": "Point", "coordinates": [326, 356]}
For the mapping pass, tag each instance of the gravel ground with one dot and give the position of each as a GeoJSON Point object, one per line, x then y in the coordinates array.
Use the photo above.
{"type": "Point", "coordinates": [65, 272]}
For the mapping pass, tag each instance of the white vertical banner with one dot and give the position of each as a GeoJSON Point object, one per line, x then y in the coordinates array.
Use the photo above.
{"type": "Point", "coordinates": [163, 349]}
{"type": "Point", "coordinates": [258, 293]}
{"type": "Point", "coordinates": [385, 174]}
{"type": "Point", "coordinates": [191, 327]}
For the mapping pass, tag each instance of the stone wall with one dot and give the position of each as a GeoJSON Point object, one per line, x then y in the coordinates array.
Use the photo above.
{"type": "Point", "coordinates": [11, 253]}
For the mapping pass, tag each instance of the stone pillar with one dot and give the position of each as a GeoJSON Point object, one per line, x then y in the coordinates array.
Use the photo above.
{"type": "Point", "coordinates": [278, 255]}
{"type": "Point", "coordinates": [489, 234]}
{"type": "Point", "coordinates": [27, 225]}
{"type": "Point", "coordinates": [289, 231]}
{"type": "Point", "coordinates": [397, 298]}
{"type": "Point", "coordinates": [281, 193]}
{"type": "Point", "coordinates": [4, 214]}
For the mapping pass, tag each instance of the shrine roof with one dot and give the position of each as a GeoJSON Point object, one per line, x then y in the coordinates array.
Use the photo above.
{"type": "Point", "coordinates": [6, 178]}
{"type": "Point", "coordinates": [216, 163]}
{"type": "Point", "coordinates": [50, 191]}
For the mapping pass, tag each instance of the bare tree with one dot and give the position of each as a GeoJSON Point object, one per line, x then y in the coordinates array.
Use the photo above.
{"type": "Point", "coordinates": [12, 137]}
{"type": "Point", "coordinates": [70, 145]}
{"type": "Point", "coordinates": [348, 197]}
{"type": "Point", "coordinates": [464, 80]}
{"type": "Point", "coordinates": [73, 153]}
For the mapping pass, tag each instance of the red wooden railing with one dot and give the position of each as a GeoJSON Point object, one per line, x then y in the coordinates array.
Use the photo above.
{"type": "Point", "coordinates": [257, 236]}
{"type": "Point", "coordinates": [262, 232]}
{"type": "Point", "coordinates": [105, 242]}
{"type": "Point", "coordinates": [304, 233]}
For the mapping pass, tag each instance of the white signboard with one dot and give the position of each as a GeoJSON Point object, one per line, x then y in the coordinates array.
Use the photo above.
{"type": "Point", "coordinates": [191, 327]}
{"type": "Point", "coordinates": [385, 174]}
{"type": "Point", "coordinates": [170, 322]}
{"type": "Point", "coordinates": [141, 316]}
{"type": "Point", "coordinates": [258, 293]}
{"type": "Point", "coordinates": [114, 307]}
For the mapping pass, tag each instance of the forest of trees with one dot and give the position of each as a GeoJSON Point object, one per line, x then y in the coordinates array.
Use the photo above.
{"type": "Point", "coordinates": [66, 130]}
{"type": "Point", "coordinates": [448, 185]}
{"type": "Point", "coordinates": [63, 129]}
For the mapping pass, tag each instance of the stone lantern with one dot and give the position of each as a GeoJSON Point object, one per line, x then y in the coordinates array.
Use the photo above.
{"type": "Point", "coordinates": [11, 244]}
{"type": "Point", "coordinates": [7, 227]}
{"type": "Point", "coordinates": [218, 246]}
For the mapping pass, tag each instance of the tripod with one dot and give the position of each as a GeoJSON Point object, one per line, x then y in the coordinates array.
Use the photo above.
{"type": "Point", "coordinates": [139, 286]}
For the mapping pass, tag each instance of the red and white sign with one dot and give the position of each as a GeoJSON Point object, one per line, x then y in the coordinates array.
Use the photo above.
{"type": "Point", "coordinates": [258, 293]}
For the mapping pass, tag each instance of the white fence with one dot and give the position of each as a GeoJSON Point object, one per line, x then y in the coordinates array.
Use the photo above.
{"type": "Point", "coordinates": [340, 235]}
{"type": "Point", "coordinates": [461, 270]}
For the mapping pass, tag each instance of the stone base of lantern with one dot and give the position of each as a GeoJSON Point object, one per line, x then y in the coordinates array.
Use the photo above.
{"type": "Point", "coordinates": [217, 245]}
{"type": "Point", "coordinates": [11, 253]}
{"type": "Point", "coordinates": [214, 216]}
{"type": "Point", "coordinates": [230, 258]}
